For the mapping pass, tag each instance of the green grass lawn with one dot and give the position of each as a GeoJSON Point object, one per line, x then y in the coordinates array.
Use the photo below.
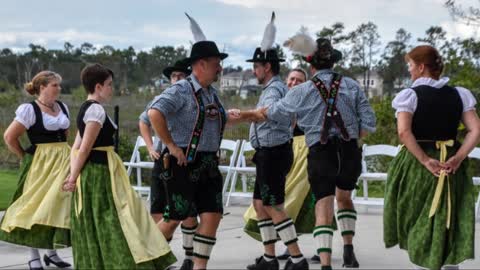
{"type": "Point", "coordinates": [8, 183]}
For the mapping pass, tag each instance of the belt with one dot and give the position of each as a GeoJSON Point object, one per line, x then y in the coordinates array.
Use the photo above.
{"type": "Point", "coordinates": [276, 147]}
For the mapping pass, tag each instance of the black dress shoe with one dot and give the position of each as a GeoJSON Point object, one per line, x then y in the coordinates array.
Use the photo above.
{"type": "Point", "coordinates": [187, 265]}
{"type": "Point", "coordinates": [35, 268]}
{"type": "Point", "coordinates": [284, 256]}
{"type": "Point", "coordinates": [61, 264]}
{"type": "Point", "coordinates": [315, 258]}
{"type": "Point", "coordinates": [261, 264]}
{"type": "Point", "coordinates": [301, 265]}
{"type": "Point", "coordinates": [349, 259]}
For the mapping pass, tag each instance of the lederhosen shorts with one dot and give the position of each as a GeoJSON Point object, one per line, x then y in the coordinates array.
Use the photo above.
{"type": "Point", "coordinates": [195, 188]}
{"type": "Point", "coordinates": [158, 200]}
{"type": "Point", "coordinates": [273, 165]}
{"type": "Point", "coordinates": [338, 163]}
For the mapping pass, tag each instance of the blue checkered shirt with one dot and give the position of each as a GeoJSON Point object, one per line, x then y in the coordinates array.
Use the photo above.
{"type": "Point", "coordinates": [273, 131]}
{"type": "Point", "coordinates": [178, 104]}
{"type": "Point", "coordinates": [305, 100]}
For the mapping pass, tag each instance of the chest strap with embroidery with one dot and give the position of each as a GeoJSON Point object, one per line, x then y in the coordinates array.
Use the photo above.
{"type": "Point", "coordinates": [192, 147]}
{"type": "Point", "coordinates": [332, 115]}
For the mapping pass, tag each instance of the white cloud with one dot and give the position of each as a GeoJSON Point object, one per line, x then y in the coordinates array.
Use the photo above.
{"type": "Point", "coordinates": [456, 29]}
{"type": "Point", "coordinates": [45, 38]}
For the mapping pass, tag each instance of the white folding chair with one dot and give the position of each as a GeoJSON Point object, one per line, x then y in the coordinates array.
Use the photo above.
{"type": "Point", "coordinates": [138, 164]}
{"type": "Point", "coordinates": [476, 179]}
{"type": "Point", "coordinates": [233, 147]}
{"type": "Point", "coordinates": [365, 176]}
{"type": "Point", "coordinates": [242, 169]}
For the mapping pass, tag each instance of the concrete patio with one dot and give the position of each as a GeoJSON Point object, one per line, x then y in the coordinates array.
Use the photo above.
{"type": "Point", "coordinates": [235, 250]}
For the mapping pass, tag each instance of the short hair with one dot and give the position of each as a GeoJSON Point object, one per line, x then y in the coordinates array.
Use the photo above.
{"type": "Point", "coordinates": [274, 66]}
{"type": "Point", "coordinates": [429, 56]}
{"type": "Point", "coordinates": [301, 70]}
{"type": "Point", "coordinates": [93, 74]}
{"type": "Point", "coordinates": [43, 78]}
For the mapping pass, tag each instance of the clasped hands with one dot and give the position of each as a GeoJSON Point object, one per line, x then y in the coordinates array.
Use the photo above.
{"type": "Point", "coordinates": [436, 167]}
{"type": "Point", "coordinates": [256, 115]}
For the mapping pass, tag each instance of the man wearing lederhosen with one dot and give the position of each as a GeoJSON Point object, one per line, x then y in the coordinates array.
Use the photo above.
{"type": "Point", "coordinates": [179, 71]}
{"type": "Point", "coordinates": [273, 158]}
{"type": "Point", "coordinates": [334, 113]}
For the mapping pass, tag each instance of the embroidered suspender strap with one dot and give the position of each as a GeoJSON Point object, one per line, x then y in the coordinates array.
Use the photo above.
{"type": "Point", "coordinates": [222, 117]}
{"type": "Point", "coordinates": [192, 147]}
{"type": "Point", "coordinates": [331, 112]}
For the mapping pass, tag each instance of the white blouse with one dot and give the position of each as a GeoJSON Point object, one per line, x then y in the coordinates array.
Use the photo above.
{"type": "Point", "coordinates": [96, 113]}
{"type": "Point", "coordinates": [406, 100]}
{"type": "Point", "coordinates": [25, 115]}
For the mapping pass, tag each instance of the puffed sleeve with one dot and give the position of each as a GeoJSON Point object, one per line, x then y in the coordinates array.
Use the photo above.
{"type": "Point", "coordinates": [25, 115]}
{"type": "Point", "coordinates": [95, 113]}
{"type": "Point", "coordinates": [405, 101]}
{"type": "Point", "coordinates": [468, 99]}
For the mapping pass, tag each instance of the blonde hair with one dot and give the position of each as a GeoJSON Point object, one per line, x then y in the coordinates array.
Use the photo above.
{"type": "Point", "coordinates": [43, 78]}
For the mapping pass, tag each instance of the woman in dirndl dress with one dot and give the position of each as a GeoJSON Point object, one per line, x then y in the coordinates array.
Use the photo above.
{"type": "Point", "coordinates": [429, 199]}
{"type": "Point", "coordinates": [111, 228]}
{"type": "Point", "coordinates": [38, 215]}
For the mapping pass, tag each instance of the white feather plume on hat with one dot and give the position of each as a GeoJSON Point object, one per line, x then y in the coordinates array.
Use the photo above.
{"type": "Point", "coordinates": [301, 43]}
{"type": "Point", "coordinates": [196, 30]}
{"type": "Point", "coordinates": [269, 35]}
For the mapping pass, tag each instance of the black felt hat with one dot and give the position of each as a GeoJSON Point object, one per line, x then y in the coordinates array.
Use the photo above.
{"type": "Point", "coordinates": [180, 65]}
{"type": "Point", "coordinates": [204, 49]}
{"type": "Point", "coordinates": [325, 52]}
{"type": "Point", "coordinates": [270, 55]}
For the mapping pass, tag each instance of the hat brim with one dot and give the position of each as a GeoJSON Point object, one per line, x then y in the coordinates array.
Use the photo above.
{"type": "Point", "coordinates": [264, 60]}
{"type": "Point", "coordinates": [190, 60]}
{"type": "Point", "coordinates": [336, 56]}
{"type": "Point", "coordinates": [168, 71]}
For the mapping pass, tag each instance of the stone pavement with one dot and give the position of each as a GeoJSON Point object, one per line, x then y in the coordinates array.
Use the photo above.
{"type": "Point", "coordinates": [235, 249]}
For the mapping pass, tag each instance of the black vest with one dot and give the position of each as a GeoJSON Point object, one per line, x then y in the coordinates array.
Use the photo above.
{"type": "Point", "coordinates": [105, 137]}
{"type": "Point", "coordinates": [37, 133]}
{"type": "Point", "coordinates": [438, 113]}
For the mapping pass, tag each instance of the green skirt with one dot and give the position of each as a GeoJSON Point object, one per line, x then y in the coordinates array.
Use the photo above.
{"type": "Point", "coordinates": [97, 236]}
{"type": "Point", "coordinates": [38, 236]}
{"type": "Point", "coordinates": [409, 193]}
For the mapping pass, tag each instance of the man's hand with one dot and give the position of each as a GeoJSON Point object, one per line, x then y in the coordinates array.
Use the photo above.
{"type": "Point", "coordinates": [154, 155]}
{"type": "Point", "coordinates": [234, 114]}
{"type": "Point", "coordinates": [177, 152]}
{"type": "Point", "coordinates": [363, 133]}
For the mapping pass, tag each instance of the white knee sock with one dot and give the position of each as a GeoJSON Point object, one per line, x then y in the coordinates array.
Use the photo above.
{"type": "Point", "coordinates": [288, 234]}
{"type": "Point", "coordinates": [188, 234]}
{"type": "Point", "coordinates": [267, 231]}
{"type": "Point", "coordinates": [286, 231]}
{"type": "Point", "coordinates": [346, 221]}
{"type": "Point", "coordinates": [203, 245]}
{"type": "Point", "coordinates": [323, 237]}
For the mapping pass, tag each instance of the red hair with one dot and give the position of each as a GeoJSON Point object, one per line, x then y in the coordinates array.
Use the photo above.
{"type": "Point", "coordinates": [429, 56]}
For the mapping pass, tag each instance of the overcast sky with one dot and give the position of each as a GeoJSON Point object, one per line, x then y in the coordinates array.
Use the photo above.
{"type": "Point", "coordinates": [236, 25]}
